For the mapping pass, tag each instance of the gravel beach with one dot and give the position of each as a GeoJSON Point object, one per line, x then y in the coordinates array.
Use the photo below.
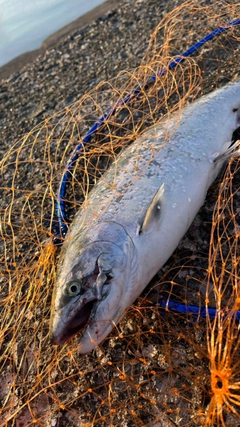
{"type": "Point", "coordinates": [134, 378]}
{"type": "Point", "coordinates": [69, 67]}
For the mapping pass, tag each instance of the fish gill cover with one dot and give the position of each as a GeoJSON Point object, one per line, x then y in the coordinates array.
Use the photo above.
{"type": "Point", "coordinates": [158, 367]}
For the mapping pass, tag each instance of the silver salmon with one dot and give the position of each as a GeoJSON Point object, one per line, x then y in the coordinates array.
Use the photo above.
{"type": "Point", "coordinates": [136, 215]}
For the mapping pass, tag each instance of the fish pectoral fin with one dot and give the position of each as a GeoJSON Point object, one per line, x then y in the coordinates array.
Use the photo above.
{"type": "Point", "coordinates": [153, 213]}
{"type": "Point", "coordinates": [229, 150]}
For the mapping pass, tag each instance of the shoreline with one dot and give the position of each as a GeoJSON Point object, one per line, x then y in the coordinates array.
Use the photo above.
{"type": "Point", "coordinates": [95, 47]}
{"type": "Point", "coordinates": [20, 61]}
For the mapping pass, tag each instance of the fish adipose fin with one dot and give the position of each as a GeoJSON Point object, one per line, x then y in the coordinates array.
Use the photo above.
{"type": "Point", "coordinates": [229, 150]}
{"type": "Point", "coordinates": [153, 213]}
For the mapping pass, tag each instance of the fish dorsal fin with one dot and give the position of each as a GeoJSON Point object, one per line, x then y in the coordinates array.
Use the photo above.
{"type": "Point", "coordinates": [153, 213]}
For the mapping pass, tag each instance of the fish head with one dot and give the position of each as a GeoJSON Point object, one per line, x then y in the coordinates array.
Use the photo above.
{"type": "Point", "coordinates": [90, 293]}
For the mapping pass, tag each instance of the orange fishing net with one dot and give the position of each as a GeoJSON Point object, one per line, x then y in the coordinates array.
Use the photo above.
{"type": "Point", "coordinates": [158, 367]}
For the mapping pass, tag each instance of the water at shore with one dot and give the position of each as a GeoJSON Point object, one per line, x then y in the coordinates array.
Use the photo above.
{"type": "Point", "coordinates": [25, 24]}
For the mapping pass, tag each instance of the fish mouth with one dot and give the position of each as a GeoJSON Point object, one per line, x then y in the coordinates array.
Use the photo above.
{"type": "Point", "coordinates": [76, 316]}
{"type": "Point", "coordinates": [75, 324]}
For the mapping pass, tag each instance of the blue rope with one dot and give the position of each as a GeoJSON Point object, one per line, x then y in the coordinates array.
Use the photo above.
{"type": "Point", "coordinates": [60, 226]}
{"type": "Point", "coordinates": [192, 310]}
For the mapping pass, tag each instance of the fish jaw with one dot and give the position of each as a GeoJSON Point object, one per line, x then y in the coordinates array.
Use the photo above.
{"type": "Point", "coordinates": [66, 322]}
{"type": "Point", "coordinates": [108, 312]}
{"type": "Point", "coordinates": [105, 278]}
{"type": "Point", "coordinates": [103, 319]}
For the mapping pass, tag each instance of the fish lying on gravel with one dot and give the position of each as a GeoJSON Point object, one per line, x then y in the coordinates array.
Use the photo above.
{"type": "Point", "coordinates": [136, 215]}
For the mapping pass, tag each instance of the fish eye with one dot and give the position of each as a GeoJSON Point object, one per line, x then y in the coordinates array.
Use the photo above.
{"type": "Point", "coordinates": [73, 288]}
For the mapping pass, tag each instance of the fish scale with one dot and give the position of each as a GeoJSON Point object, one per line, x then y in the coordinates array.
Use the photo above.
{"type": "Point", "coordinates": [129, 185]}
{"type": "Point", "coordinates": [136, 215]}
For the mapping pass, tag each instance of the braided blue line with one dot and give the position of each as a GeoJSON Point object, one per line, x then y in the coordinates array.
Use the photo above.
{"type": "Point", "coordinates": [193, 310]}
{"type": "Point", "coordinates": [61, 228]}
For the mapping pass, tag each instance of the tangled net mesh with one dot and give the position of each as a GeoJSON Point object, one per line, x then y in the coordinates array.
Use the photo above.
{"type": "Point", "coordinates": [158, 367]}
